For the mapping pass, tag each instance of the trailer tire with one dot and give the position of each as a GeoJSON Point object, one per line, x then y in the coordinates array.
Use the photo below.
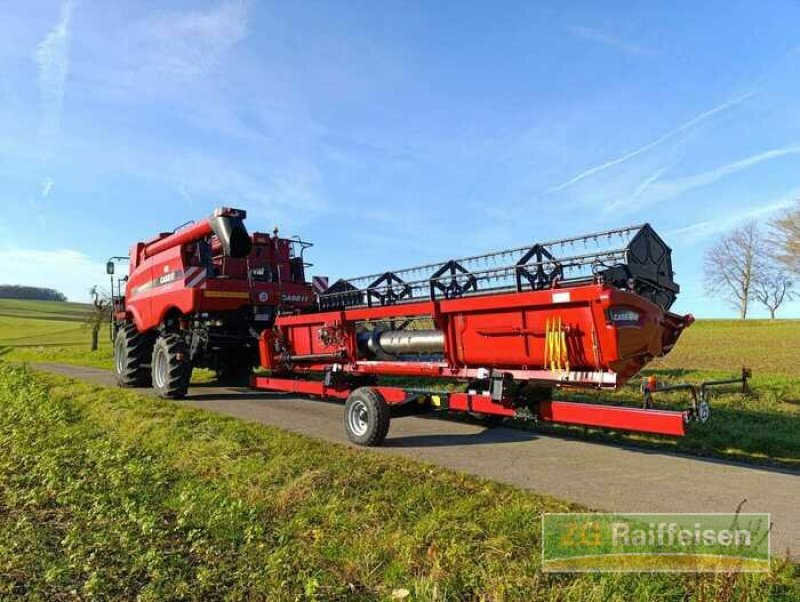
{"type": "Point", "coordinates": [171, 367]}
{"type": "Point", "coordinates": [366, 417]}
{"type": "Point", "coordinates": [132, 353]}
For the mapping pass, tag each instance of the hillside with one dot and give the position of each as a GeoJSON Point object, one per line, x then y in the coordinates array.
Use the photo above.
{"type": "Point", "coordinates": [29, 323]}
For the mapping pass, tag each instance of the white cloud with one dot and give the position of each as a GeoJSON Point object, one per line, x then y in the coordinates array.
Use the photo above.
{"type": "Point", "coordinates": [189, 43]}
{"type": "Point", "coordinates": [47, 186]}
{"type": "Point", "coordinates": [69, 271]}
{"type": "Point", "coordinates": [605, 38]}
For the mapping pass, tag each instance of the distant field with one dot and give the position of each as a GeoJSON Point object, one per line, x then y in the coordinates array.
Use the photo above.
{"type": "Point", "coordinates": [42, 323]}
{"type": "Point", "coordinates": [767, 347]}
{"type": "Point", "coordinates": [49, 331]}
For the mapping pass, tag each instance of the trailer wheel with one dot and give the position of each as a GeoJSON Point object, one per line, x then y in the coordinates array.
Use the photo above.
{"type": "Point", "coordinates": [132, 353]}
{"type": "Point", "coordinates": [366, 417]}
{"type": "Point", "coordinates": [172, 369]}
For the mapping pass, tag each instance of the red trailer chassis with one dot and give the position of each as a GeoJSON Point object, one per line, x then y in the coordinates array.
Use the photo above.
{"type": "Point", "coordinates": [511, 348]}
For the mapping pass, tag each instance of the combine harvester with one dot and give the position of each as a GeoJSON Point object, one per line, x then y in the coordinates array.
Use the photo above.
{"type": "Point", "coordinates": [587, 312]}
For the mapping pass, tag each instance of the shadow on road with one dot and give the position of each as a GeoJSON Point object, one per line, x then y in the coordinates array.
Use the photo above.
{"type": "Point", "coordinates": [489, 436]}
{"type": "Point", "coordinates": [231, 395]}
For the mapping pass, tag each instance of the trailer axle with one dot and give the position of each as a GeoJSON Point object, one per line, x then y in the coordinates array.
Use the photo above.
{"type": "Point", "coordinates": [659, 422]}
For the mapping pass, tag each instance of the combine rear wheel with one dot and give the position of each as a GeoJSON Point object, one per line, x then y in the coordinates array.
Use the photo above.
{"type": "Point", "coordinates": [172, 369]}
{"type": "Point", "coordinates": [132, 352]}
{"type": "Point", "coordinates": [366, 417]}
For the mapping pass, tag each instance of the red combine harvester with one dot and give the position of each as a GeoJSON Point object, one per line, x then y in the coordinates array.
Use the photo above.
{"type": "Point", "coordinates": [510, 326]}
{"type": "Point", "coordinates": [200, 297]}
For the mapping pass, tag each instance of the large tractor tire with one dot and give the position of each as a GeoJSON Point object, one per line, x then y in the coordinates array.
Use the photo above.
{"type": "Point", "coordinates": [132, 353]}
{"type": "Point", "coordinates": [366, 417]}
{"type": "Point", "coordinates": [172, 368]}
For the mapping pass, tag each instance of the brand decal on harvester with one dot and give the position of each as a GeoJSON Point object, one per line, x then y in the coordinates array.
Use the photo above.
{"type": "Point", "coordinates": [294, 298]}
{"type": "Point", "coordinates": [195, 278]}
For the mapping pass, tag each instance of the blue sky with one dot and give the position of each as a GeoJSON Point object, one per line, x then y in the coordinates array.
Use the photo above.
{"type": "Point", "coordinates": [391, 133]}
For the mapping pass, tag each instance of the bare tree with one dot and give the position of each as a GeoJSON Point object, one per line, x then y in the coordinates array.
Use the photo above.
{"type": "Point", "coordinates": [100, 314]}
{"type": "Point", "coordinates": [786, 238]}
{"type": "Point", "coordinates": [734, 264]}
{"type": "Point", "coordinates": [772, 288]}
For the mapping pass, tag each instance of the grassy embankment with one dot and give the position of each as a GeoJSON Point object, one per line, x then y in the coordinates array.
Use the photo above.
{"type": "Point", "coordinates": [111, 494]}
{"type": "Point", "coordinates": [761, 426]}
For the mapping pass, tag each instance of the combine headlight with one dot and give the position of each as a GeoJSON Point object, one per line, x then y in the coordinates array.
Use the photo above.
{"type": "Point", "coordinates": [624, 316]}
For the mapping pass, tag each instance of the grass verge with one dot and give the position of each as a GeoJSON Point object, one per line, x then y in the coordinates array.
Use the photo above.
{"type": "Point", "coordinates": [115, 495]}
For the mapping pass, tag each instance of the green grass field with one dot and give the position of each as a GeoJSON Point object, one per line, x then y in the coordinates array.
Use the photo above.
{"type": "Point", "coordinates": [767, 347]}
{"type": "Point", "coordinates": [760, 427]}
{"type": "Point", "coordinates": [49, 331]}
{"type": "Point", "coordinates": [111, 494]}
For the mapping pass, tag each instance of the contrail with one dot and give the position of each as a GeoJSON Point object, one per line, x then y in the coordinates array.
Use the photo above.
{"type": "Point", "coordinates": [52, 58]}
{"type": "Point", "coordinates": [707, 227]}
{"type": "Point", "coordinates": [643, 149]}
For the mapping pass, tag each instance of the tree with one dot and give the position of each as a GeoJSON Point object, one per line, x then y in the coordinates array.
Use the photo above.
{"type": "Point", "coordinates": [734, 264]}
{"type": "Point", "coordinates": [100, 314]}
{"type": "Point", "coordinates": [786, 238]}
{"type": "Point", "coordinates": [772, 288]}
{"type": "Point", "coordinates": [17, 291]}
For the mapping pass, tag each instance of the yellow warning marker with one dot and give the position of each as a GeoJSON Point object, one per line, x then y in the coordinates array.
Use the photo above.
{"type": "Point", "coordinates": [556, 352]}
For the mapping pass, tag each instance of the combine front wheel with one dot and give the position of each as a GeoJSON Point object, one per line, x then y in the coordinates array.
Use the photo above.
{"type": "Point", "coordinates": [366, 417]}
{"type": "Point", "coordinates": [132, 351]}
{"type": "Point", "coordinates": [172, 369]}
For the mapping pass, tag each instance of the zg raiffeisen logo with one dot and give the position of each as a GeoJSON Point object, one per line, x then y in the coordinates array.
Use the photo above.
{"type": "Point", "coordinates": [655, 542]}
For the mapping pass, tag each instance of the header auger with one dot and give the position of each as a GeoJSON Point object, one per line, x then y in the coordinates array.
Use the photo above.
{"type": "Point", "coordinates": [510, 326]}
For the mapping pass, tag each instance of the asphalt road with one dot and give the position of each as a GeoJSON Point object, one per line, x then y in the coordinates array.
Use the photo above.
{"type": "Point", "coordinates": [600, 476]}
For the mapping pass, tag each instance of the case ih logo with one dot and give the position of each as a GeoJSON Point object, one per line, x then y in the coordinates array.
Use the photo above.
{"type": "Point", "coordinates": [194, 277]}
{"type": "Point", "coordinates": [294, 298]}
